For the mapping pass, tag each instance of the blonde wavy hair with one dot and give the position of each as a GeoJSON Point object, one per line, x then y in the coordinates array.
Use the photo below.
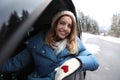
{"type": "Point", "coordinates": [71, 39]}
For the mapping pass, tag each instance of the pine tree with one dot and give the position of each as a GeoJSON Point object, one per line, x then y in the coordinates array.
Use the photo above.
{"type": "Point", "coordinates": [3, 33]}
{"type": "Point", "coordinates": [25, 15]}
{"type": "Point", "coordinates": [115, 26]}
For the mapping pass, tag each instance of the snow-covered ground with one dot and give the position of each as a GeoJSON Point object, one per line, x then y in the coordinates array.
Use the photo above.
{"type": "Point", "coordinates": [93, 48]}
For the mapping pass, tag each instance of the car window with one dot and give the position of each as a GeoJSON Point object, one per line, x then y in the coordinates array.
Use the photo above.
{"type": "Point", "coordinates": [14, 31]}
{"type": "Point", "coordinates": [12, 14]}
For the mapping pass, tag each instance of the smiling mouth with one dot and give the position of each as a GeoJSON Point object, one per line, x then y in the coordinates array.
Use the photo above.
{"type": "Point", "coordinates": [63, 33]}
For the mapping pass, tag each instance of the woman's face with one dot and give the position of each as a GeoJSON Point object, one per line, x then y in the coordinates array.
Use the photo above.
{"type": "Point", "coordinates": [63, 27]}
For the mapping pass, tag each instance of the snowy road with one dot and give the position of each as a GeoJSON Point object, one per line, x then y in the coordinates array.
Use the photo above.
{"type": "Point", "coordinates": [107, 50]}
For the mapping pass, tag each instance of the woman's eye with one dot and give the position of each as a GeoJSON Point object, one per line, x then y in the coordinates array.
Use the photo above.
{"type": "Point", "coordinates": [70, 26]}
{"type": "Point", "coordinates": [63, 23]}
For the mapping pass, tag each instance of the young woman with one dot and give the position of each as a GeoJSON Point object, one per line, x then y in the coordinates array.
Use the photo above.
{"type": "Point", "coordinates": [56, 54]}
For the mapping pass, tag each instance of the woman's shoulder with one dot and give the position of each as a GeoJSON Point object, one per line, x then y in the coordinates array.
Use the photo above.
{"type": "Point", "coordinates": [80, 44]}
{"type": "Point", "coordinates": [38, 38]}
{"type": "Point", "coordinates": [78, 39]}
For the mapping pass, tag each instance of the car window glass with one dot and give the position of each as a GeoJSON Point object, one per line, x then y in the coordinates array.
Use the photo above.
{"type": "Point", "coordinates": [12, 14]}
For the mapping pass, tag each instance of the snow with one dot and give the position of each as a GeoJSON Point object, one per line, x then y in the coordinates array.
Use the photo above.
{"type": "Point", "coordinates": [93, 48]}
{"type": "Point", "coordinates": [111, 39]}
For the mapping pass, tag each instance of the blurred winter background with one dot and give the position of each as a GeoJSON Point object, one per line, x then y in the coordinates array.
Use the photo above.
{"type": "Point", "coordinates": [99, 21]}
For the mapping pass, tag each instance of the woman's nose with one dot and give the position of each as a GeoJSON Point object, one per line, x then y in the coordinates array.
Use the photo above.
{"type": "Point", "coordinates": [65, 27]}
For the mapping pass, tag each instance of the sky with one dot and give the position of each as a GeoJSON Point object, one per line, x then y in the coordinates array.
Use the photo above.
{"type": "Point", "coordinates": [8, 6]}
{"type": "Point", "coordinates": [99, 10]}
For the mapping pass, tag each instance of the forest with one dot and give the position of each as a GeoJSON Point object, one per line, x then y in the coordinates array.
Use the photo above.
{"type": "Point", "coordinates": [86, 24]}
{"type": "Point", "coordinates": [11, 25]}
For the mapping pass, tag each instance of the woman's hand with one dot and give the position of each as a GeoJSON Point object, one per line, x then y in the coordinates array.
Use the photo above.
{"type": "Point", "coordinates": [67, 68]}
